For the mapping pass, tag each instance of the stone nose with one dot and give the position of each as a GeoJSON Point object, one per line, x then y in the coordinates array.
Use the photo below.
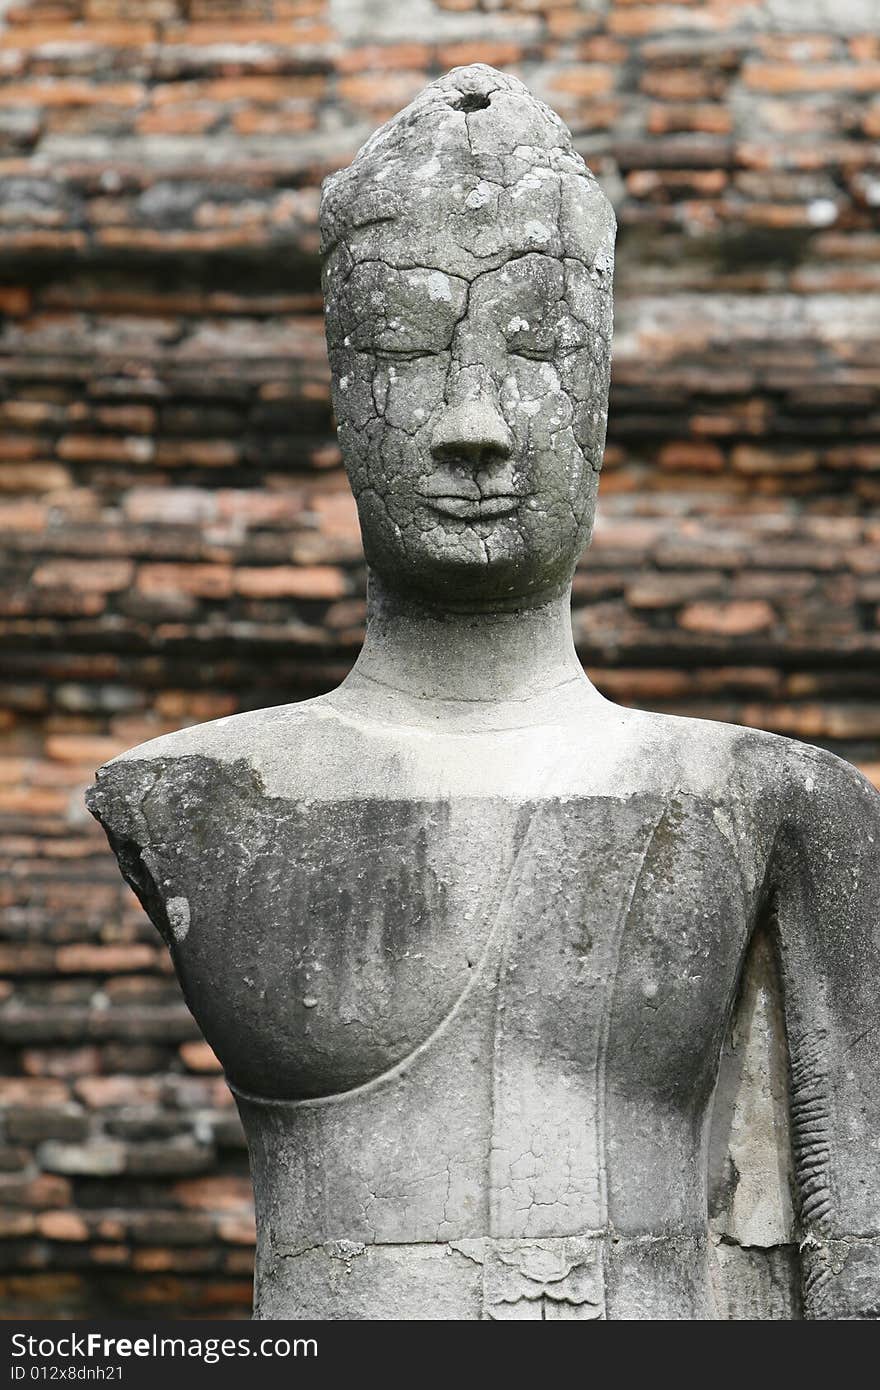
{"type": "Point", "coordinates": [472, 433]}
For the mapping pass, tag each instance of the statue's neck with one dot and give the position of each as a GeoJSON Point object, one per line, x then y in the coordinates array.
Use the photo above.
{"type": "Point", "coordinates": [441, 657]}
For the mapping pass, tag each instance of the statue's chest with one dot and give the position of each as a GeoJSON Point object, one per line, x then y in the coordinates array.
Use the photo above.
{"type": "Point", "coordinates": [322, 944]}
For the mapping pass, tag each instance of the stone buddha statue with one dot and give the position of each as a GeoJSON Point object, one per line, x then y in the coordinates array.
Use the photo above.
{"type": "Point", "coordinates": [465, 935]}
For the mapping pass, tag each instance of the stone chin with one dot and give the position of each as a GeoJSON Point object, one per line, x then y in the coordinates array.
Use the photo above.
{"type": "Point", "coordinates": [519, 559]}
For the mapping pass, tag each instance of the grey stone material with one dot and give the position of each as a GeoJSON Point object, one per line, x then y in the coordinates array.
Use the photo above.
{"type": "Point", "coordinates": [467, 937]}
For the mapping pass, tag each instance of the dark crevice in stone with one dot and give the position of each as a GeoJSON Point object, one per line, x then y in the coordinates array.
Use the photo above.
{"type": "Point", "coordinates": [472, 101]}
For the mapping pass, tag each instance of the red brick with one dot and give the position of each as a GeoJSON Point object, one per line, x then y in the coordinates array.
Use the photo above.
{"type": "Point", "coordinates": [284, 9]}
{"type": "Point", "coordinates": [870, 121]}
{"type": "Point", "coordinates": [154, 1260]}
{"type": "Point", "coordinates": [198, 35]}
{"type": "Point", "coordinates": [105, 448]}
{"type": "Point", "coordinates": [260, 121]}
{"type": "Point", "coordinates": [239, 1262]}
{"type": "Point", "coordinates": [131, 9]}
{"type": "Point", "coordinates": [680, 84]}
{"type": "Point", "coordinates": [381, 90]}
{"type": "Point", "coordinates": [203, 581]}
{"type": "Point", "coordinates": [243, 33]}
{"type": "Point", "coordinates": [14, 1224]}
{"type": "Point", "coordinates": [12, 771]}
{"type": "Point", "coordinates": [33, 801]}
{"type": "Point", "coordinates": [103, 1092]}
{"type": "Point", "coordinates": [215, 1194]}
{"type": "Point", "coordinates": [664, 19]}
{"type": "Point", "coordinates": [300, 581]}
{"type": "Point", "coordinates": [656, 591]}
{"type": "Point", "coordinates": [643, 182]}
{"type": "Point", "coordinates": [797, 77]}
{"type": "Point", "coordinates": [23, 516]}
{"type": "Point", "coordinates": [651, 684]}
{"type": "Point", "coordinates": [73, 92]}
{"type": "Point", "coordinates": [85, 576]}
{"type": "Point", "coordinates": [53, 241]}
{"type": "Point", "coordinates": [337, 516]}
{"type": "Point", "coordinates": [797, 48]}
{"type": "Point", "coordinates": [42, 1192]}
{"type": "Point", "coordinates": [326, 456]}
{"type": "Point", "coordinates": [82, 959]}
{"type": "Point", "coordinates": [709, 119]}
{"type": "Point", "coordinates": [148, 239]}
{"type": "Point", "coordinates": [62, 1225]}
{"type": "Point", "coordinates": [727, 619]}
{"type": "Point", "coordinates": [777, 215]}
{"type": "Point", "coordinates": [192, 119]}
{"type": "Point", "coordinates": [61, 1062]}
{"type": "Point", "coordinates": [33, 477]}
{"type": "Point", "coordinates": [568, 24]}
{"type": "Point", "coordinates": [20, 446]}
{"type": "Point", "coordinates": [30, 413]}
{"type": "Point", "coordinates": [198, 1056]}
{"type": "Point", "coordinates": [113, 1255]}
{"type": "Point", "coordinates": [864, 457]}
{"type": "Point", "coordinates": [75, 35]}
{"type": "Point", "coordinates": [83, 749]}
{"type": "Point", "coordinates": [585, 80]}
{"type": "Point", "coordinates": [384, 57]}
{"type": "Point", "coordinates": [601, 49]}
{"type": "Point", "coordinates": [348, 613]}
{"type": "Point", "coordinates": [15, 300]}
{"type": "Point", "coordinates": [197, 453]}
{"type": "Point", "coordinates": [750, 460]}
{"type": "Point", "coordinates": [237, 1230]}
{"type": "Point", "coordinates": [258, 89]}
{"type": "Point", "coordinates": [26, 958]}
{"type": "Point", "coordinates": [692, 454]}
{"type": "Point", "coordinates": [33, 12]}
{"type": "Point", "coordinates": [496, 54]}
{"type": "Point", "coordinates": [801, 721]}
{"type": "Point", "coordinates": [194, 704]}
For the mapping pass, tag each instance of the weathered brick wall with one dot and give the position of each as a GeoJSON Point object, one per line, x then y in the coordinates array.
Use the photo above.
{"type": "Point", "coordinates": [177, 537]}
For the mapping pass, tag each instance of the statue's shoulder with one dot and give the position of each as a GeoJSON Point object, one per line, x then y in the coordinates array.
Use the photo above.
{"type": "Point", "coordinates": [820, 796]}
{"type": "Point", "coordinates": [721, 760]}
{"type": "Point", "coordinates": [235, 737]}
{"type": "Point", "coordinates": [190, 768]}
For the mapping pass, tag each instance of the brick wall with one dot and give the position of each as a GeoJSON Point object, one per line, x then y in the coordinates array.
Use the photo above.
{"type": "Point", "coordinates": [178, 541]}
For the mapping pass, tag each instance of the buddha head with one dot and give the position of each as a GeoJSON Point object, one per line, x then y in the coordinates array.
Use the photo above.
{"type": "Point", "coordinates": [468, 255]}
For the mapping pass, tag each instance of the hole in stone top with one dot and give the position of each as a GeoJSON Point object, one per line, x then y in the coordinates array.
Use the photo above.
{"type": "Point", "coordinates": [471, 101]}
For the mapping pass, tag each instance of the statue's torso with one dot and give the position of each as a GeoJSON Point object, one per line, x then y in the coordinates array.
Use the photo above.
{"type": "Point", "coordinates": [473, 1019]}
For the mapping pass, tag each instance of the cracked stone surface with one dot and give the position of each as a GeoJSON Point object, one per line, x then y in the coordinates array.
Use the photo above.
{"type": "Point", "coordinates": [467, 280]}
{"type": "Point", "coordinates": [534, 1007]}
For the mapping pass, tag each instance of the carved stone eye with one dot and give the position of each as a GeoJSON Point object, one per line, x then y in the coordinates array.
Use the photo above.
{"type": "Point", "coordinates": [386, 354]}
{"type": "Point", "coordinates": [533, 354]}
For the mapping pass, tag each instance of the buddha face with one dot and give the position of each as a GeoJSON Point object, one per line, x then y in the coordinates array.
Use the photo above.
{"type": "Point", "coordinates": [471, 403]}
